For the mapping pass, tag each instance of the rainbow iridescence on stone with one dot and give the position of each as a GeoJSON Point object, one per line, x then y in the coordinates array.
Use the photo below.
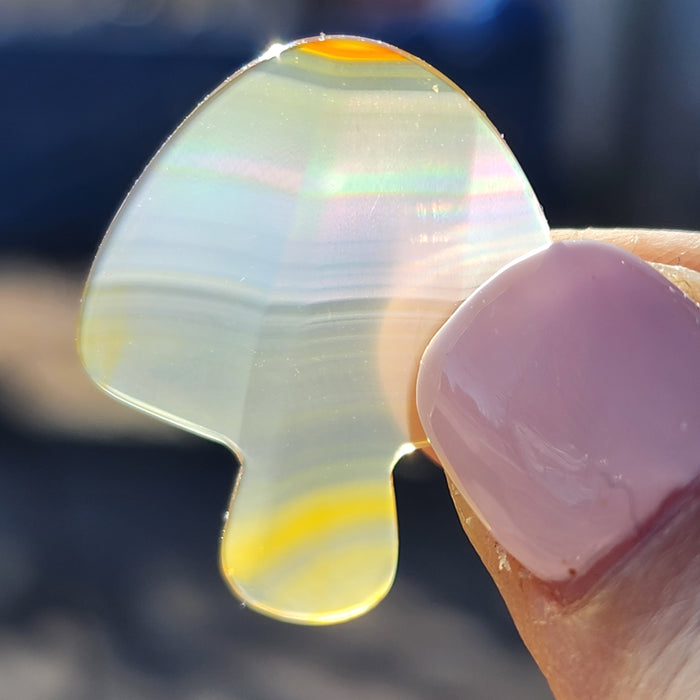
{"type": "Point", "coordinates": [272, 280]}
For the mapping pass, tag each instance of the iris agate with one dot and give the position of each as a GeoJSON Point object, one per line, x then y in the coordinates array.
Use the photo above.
{"type": "Point", "coordinates": [272, 280]}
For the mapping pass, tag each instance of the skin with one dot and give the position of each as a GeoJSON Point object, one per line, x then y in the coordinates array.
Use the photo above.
{"type": "Point", "coordinates": [633, 628]}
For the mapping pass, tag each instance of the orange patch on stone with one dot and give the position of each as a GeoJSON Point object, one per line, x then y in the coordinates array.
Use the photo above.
{"type": "Point", "coordinates": [351, 50]}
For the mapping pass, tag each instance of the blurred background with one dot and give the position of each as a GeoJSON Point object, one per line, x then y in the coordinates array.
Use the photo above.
{"type": "Point", "coordinates": [109, 522]}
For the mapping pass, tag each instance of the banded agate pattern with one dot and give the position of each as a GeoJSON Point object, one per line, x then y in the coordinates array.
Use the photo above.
{"type": "Point", "coordinates": [272, 280]}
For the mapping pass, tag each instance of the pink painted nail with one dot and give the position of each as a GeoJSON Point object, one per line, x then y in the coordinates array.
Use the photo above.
{"type": "Point", "coordinates": [563, 398]}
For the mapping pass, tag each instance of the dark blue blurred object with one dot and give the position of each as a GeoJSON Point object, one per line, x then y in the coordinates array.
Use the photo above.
{"type": "Point", "coordinates": [83, 115]}
{"type": "Point", "coordinates": [79, 125]}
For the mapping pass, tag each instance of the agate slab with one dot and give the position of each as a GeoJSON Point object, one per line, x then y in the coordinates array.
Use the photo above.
{"type": "Point", "coordinates": [272, 280]}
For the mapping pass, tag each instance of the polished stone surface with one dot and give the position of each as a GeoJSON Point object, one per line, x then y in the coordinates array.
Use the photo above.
{"type": "Point", "coordinates": [272, 280]}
